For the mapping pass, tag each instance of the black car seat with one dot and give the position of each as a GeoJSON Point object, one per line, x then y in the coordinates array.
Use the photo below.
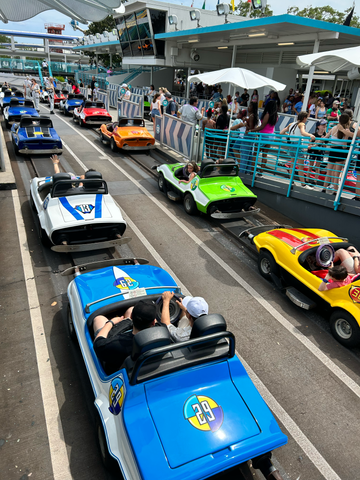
{"type": "Point", "coordinates": [7, 93]}
{"type": "Point", "coordinates": [96, 183]}
{"type": "Point", "coordinates": [207, 325]}
{"type": "Point", "coordinates": [29, 103]}
{"type": "Point", "coordinates": [227, 166]}
{"type": "Point", "coordinates": [62, 187]}
{"type": "Point", "coordinates": [203, 166]}
{"type": "Point", "coordinates": [14, 102]}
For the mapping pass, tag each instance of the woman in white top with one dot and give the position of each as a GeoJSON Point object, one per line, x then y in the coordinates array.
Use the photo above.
{"type": "Point", "coordinates": [35, 92]}
{"type": "Point", "coordinates": [297, 129]}
{"type": "Point", "coordinates": [155, 107]}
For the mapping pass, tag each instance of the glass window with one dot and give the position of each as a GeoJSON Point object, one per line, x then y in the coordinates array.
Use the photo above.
{"type": "Point", "coordinates": [136, 49]}
{"type": "Point", "coordinates": [158, 19]}
{"type": "Point", "coordinates": [147, 47]}
{"type": "Point", "coordinates": [143, 24]}
{"type": "Point", "coordinates": [126, 49]}
{"type": "Point", "coordinates": [160, 48]}
{"type": "Point", "coordinates": [130, 21]}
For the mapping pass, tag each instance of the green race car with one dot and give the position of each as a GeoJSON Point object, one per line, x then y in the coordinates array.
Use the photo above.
{"type": "Point", "coordinates": [216, 190]}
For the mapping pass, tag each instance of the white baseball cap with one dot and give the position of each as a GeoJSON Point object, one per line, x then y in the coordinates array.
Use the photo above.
{"type": "Point", "coordinates": [124, 85]}
{"type": "Point", "coordinates": [196, 306]}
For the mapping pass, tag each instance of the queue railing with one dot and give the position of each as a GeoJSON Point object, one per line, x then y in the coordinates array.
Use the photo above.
{"type": "Point", "coordinates": [319, 166]}
{"type": "Point", "coordinates": [175, 134]}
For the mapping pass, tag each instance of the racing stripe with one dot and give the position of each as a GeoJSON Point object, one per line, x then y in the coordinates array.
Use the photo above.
{"type": "Point", "coordinates": [64, 202]}
{"type": "Point", "coordinates": [98, 206]}
{"type": "Point", "coordinates": [306, 233]}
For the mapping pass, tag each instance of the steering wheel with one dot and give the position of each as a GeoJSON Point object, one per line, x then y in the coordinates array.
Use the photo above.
{"type": "Point", "coordinates": [175, 310]}
{"type": "Point", "coordinates": [325, 255]}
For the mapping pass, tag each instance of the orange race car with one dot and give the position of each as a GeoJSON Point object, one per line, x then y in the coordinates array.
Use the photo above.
{"type": "Point", "coordinates": [127, 134]}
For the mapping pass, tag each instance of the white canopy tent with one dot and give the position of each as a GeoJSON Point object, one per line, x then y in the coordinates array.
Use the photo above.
{"type": "Point", "coordinates": [334, 61]}
{"type": "Point", "coordinates": [80, 10]}
{"type": "Point", "coordinates": [236, 77]}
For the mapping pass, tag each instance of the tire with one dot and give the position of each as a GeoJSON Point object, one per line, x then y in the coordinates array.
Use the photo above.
{"type": "Point", "coordinates": [74, 118]}
{"type": "Point", "coordinates": [161, 182]}
{"type": "Point", "coordinates": [82, 123]}
{"type": "Point", "coordinates": [109, 462]}
{"type": "Point", "coordinates": [16, 149]}
{"type": "Point", "coordinates": [267, 264]}
{"type": "Point", "coordinates": [113, 146]}
{"type": "Point", "coordinates": [7, 124]}
{"type": "Point", "coordinates": [70, 325]}
{"type": "Point", "coordinates": [103, 139]}
{"type": "Point", "coordinates": [44, 239]}
{"type": "Point", "coordinates": [32, 204]}
{"type": "Point", "coordinates": [189, 204]}
{"type": "Point", "coordinates": [345, 328]}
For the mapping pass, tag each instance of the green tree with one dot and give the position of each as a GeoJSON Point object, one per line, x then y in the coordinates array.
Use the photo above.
{"type": "Point", "coordinates": [327, 14]}
{"type": "Point", "coordinates": [242, 9]}
{"type": "Point", "coordinates": [107, 24]}
{"type": "Point", "coordinates": [4, 39]}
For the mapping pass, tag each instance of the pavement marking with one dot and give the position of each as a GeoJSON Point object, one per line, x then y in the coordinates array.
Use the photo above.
{"type": "Point", "coordinates": [59, 458]}
{"type": "Point", "coordinates": [340, 374]}
{"type": "Point", "coordinates": [75, 156]}
{"type": "Point", "coordinates": [300, 438]}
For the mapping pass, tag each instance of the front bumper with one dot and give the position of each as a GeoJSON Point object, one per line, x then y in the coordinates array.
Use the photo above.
{"type": "Point", "coordinates": [28, 151]}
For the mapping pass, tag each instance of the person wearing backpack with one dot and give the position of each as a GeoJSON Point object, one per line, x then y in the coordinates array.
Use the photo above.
{"type": "Point", "coordinates": [171, 108]}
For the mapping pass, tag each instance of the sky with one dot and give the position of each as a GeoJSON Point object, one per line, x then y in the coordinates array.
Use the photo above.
{"type": "Point", "coordinates": [36, 24]}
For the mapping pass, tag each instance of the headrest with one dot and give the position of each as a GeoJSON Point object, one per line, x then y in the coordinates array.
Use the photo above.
{"type": "Point", "coordinates": [123, 121]}
{"type": "Point", "coordinates": [7, 93]}
{"type": "Point", "coordinates": [138, 121]}
{"type": "Point", "coordinates": [70, 96]}
{"type": "Point", "coordinates": [27, 121]}
{"type": "Point", "coordinates": [57, 177]}
{"type": "Point", "coordinates": [14, 102]}
{"type": "Point", "coordinates": [57, 91]}
{"type": "Point", "coordinates": [93, 175]}
{"type": "Point", "coordinates": [65, 92]}
{"type": "Point", "coordinates": [205, 163]}
{"type": "Point", "coordinates": [19, 94]}
{"type": "Point", "coordinates": [153, 337]}
{"type": "Point", "coordinates": [29, 103]}
{"type": "Point", "coordinates": [89, 104]}
{"type": "Point", "coordinates": [80, 96]}
{"type": "Point", "coordinates": [227, 166]}
{"type": "Point", "coordinates": [100, 105]}
{"type": "Point", "coordinates": [208, 324]}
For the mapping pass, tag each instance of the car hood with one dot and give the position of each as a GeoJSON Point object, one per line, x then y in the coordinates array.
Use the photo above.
{"type": "Point", "coordinates": [21, 110]}
{"type": "Point", "coordinates": [203, 414]}
{"type": "Point", "coordinates": [133, 132]}
{"type": "Point", "coordinates": [220, 188]}
{"type": "Point", "coordinates": [82, 207]}
{"type": "Point", "coordinates": [96, 111]}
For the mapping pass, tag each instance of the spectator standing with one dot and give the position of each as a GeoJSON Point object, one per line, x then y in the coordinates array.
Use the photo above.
{"type": "Point", "coordinates": [209, 123]}
{"type": "Point", "coordinates": [172, 107]}
{"type": "Point", "coordinates": [27, 88]}
{"type": "Point", "coordinates": [268, 122]}
{"type": "Point", "coordinates": [245, 98]}
{"type": "Point", "coordinates": [190, 113]}
{"type": "Point", "coordinates": [35, 92]}
{"type": "Point", "coordinates": [317, 155]}
{"type": "Point", "coordinates": [51, 93]}
{"type": "Point", "coordinates": [155, 107]}
{"type": "Point", "coordinates": [288, 104]}
{"type": "Point", "coordinates": [320, 111]}
{"type": "Point", "coordinates": [255, 97]}
{"type": "Point", "coordinates": [333, 113]}
{"type": "Point", "coordinates": [297, 129]}
{"type": "Point", "coordinates": [298, 105]}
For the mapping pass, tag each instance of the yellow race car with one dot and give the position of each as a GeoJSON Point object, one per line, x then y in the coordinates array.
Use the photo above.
{"type": "Point", "coordinates": [297, 260]}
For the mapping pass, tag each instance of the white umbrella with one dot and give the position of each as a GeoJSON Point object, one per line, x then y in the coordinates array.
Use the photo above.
{"type": "Point", "coordinates": [237, 77]}
{"type": "Point", "coordinates": [80, 10]}
{"type": "Point", "coordinates": [333, 61]}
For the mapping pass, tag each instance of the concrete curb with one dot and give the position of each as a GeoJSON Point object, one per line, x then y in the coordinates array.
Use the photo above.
{"type": "Point", "coordinates": [7, 179]}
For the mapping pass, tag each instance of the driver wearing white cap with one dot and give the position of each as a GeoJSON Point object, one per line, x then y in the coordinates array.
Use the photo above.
{"type": "Point", "coordinates": [193, 307]}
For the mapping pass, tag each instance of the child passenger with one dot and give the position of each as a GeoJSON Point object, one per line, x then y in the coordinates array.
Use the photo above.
{"type": "Point", "coordinates": [338, 276]}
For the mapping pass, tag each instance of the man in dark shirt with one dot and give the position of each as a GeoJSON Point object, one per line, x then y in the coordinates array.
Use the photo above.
{"type": "Point", "coordinates": [244, 98]}
{"type": "Point", "coordinates": [114, 338]}
{"type": "Point", "coordinates": [171, 109]}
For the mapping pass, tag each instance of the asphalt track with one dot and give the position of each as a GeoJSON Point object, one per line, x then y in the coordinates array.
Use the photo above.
{"type": "Point", "coordinates": [310, 382]}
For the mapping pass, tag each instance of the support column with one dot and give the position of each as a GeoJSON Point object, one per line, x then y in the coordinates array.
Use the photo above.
{"type": "Point", "coordinates": [12, 43]}
{"type": "Point", "coordinates": [310, 79]}
{"type": "Point", "coordinates": [188, 83]}
{"type": "Point", "coordinates": [97, 63]}
{"type": "Point", "coordinates": [233, 60]}
{"type": "Point", "coordinates": [110, 60]}
{"type": "Point", "coordinates": [151, 75]}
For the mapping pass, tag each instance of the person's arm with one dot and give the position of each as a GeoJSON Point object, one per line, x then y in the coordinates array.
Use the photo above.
{"type": "Point", "coordinates": [104, 332]}
{"type": "Point", "coordinates": [199, 115]}
{"type": "Point", "coordinates": [264, 122]}
{"type": "Point", "coordinates": [286, 129]}
{"type": "Point", "coordinates": [324, 283]}
{"type": "Point", "coordinates": [192, 175]}
{"type": "Point", "coordinates": [237, 126]}
{"type": "Point", "coordinates": [165, 313]}
{"type": "Point", "coordinates": [304, 132]}
{"type": "Point", "coordinates": [55, 160]}
{"type": "Point", "coordinates": [328, 116]}
{"type": "Point", "coordinates": [316, 112]}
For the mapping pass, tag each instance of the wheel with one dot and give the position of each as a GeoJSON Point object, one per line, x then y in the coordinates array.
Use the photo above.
{"type": "Point", "coordinates": [70, 324]}
{"type": "Point", "coordinates": [43, 236]}
{"type": "Point", "coordinates": [32, 203]}
{"type": "Point", "coordinates": [267, 264]}
{"type": "Point", "coordinates": [103, 139]}
{"type": "Point", "coordinates": [345, 328]}
{"type": "Point", "coordinates": [113, 145]}
{"type": "Point", "coordinates": [108, 461]}
{"type": "Point", "coordinates": [74, 118]}
{"type": "Point", "coordinates": [7, 124]}
{"type": "Point", "coordinates": [82, 123]}
{"type": "Point", "coordinates": [161, 182]}
{"type": "Point", "coordinates": [189, 204]}
{"type": "Point", "coordinates": [16, 149]}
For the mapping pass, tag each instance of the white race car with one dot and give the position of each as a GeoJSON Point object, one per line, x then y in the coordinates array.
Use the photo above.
{"type": "Point", "coordinates": [44, 96]}
{"type": "Point", "coordinates": [75, 214]}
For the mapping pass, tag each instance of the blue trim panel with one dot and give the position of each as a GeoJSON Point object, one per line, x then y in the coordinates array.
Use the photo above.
{"type": "Point", "coordinates": [262, 22]}
{"type": "Point", "coordinates": [100, 44]}
{"type": "Point", "coordinates": [19, 33]}
{"type": "Point", "coordinates": [64, 202]}
{"type": "Point", "coordinates": [98, 206]}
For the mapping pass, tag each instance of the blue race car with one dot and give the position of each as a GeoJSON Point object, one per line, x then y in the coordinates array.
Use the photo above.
{"type": "Point", "coordinates": [35, 135]}
{"type": "Point", "coordinates": [16, 109]}
{"type": "Point", "coordinates": [173, 410]}
{"type": "Point", "coordinates": [72, 101]}
{"type": "Point", "coordinates": [9, 95]}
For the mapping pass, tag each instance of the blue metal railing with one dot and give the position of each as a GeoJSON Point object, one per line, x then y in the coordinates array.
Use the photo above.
{"type": "Point", "coordinates": [320, 166]}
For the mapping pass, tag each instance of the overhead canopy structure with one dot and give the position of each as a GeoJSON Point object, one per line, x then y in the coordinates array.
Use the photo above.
{"type": "Point", "coordinates": [332, 61]}
{"type": "Point", "coordinates": [237, 77]}
{"type": "Point", "coordinates": [80, 10]}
